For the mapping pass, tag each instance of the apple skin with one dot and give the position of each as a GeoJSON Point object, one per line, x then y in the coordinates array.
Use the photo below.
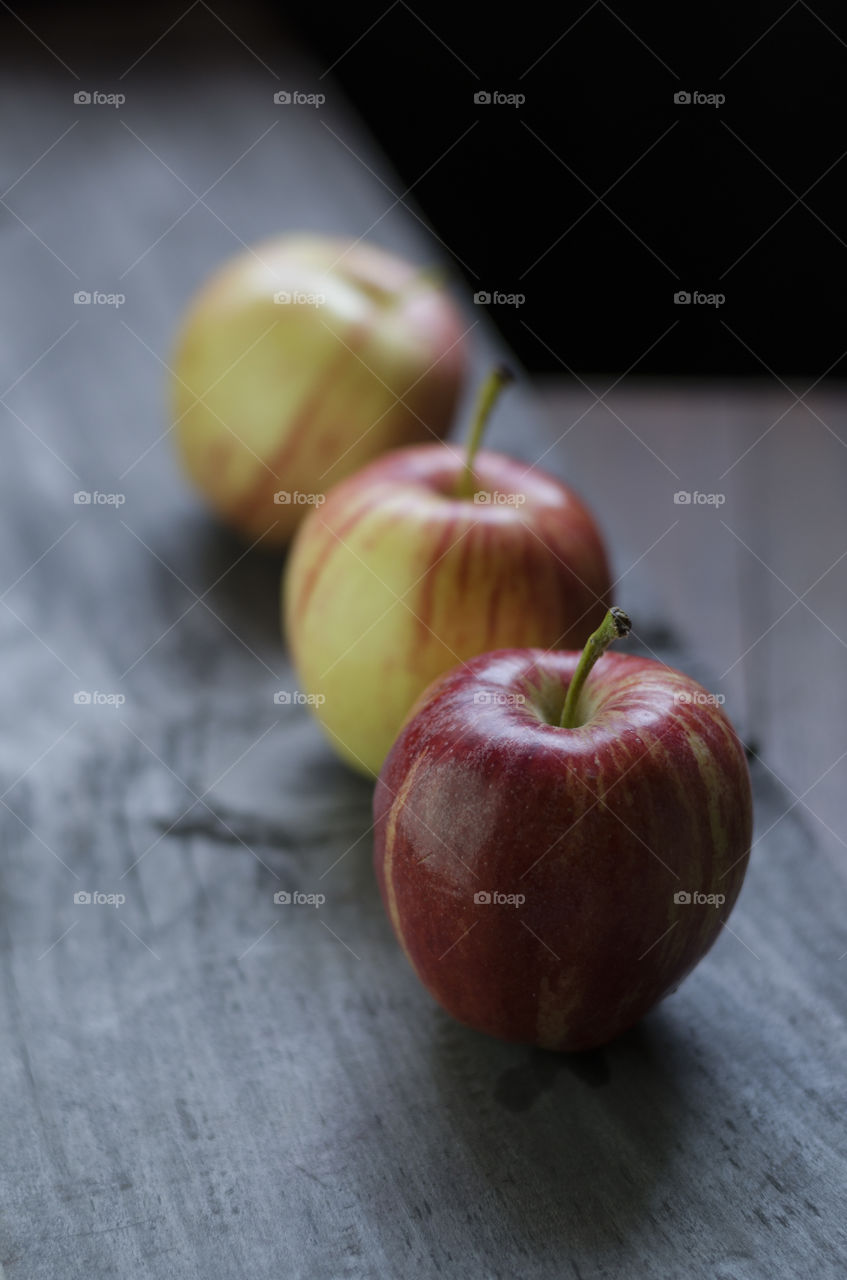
{"type": "Point", "coordinates": [295, 395]}
{"type": "Point", "coordinates": [597, 826]}
{"type": "Point", "coordinates": [394, 580]}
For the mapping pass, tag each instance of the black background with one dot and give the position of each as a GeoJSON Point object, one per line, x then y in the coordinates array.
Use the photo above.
{"type": "Point", "coordinates": [719, 210]}
{"type": "Point", "coordinates": [600, 197]}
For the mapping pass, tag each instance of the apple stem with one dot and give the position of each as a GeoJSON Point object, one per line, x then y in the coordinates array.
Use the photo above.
{"type": "Point", "coordinates": [615, 625]}
{"type": "Point", "coordinates": [499, 377]}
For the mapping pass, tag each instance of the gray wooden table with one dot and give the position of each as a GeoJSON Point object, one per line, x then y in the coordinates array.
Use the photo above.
{"type": "Point", "coordinates": [201, 1083]}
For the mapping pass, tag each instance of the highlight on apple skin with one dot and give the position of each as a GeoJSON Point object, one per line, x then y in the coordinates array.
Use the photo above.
{"type": "Point", "coordinates": [299, 361]}
{"type": "Point", "coordinates": [550, 885]}
{"type": "Point", "coordinates": [397, 577]}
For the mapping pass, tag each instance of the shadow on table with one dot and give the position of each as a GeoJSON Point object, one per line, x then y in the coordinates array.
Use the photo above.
{"type": "Point", "coordinates": [234, 571]}
{"type": "Point", "coordinates": [575, 1144]}
{"type": "Point", "coordinates": [225, 593]}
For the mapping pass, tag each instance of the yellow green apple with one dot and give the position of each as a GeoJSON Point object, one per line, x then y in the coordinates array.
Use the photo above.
{"type": "Point", "coordinates": [423, 559]}
{"type": "Point", "coordinates": [300, 360]}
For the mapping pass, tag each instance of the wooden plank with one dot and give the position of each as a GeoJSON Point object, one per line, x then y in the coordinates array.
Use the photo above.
{"type": "Point", "coordinates": [735, 575]}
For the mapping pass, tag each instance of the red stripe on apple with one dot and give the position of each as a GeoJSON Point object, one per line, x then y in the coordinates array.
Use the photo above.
{"type": "Point", "coordinates": [425, 558]}
{"type": "Point", "coordinates": [301, 360]}
{"type": "Point", "coordinates": [551, 884]}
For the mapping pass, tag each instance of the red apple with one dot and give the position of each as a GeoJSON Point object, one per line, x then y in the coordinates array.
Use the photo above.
{"type": "Point", "coordinates": [298, 362]}
{"type": "Point", "coordinates": [550, 884]}
{"type": "Point", "coordinates": [426, 558]}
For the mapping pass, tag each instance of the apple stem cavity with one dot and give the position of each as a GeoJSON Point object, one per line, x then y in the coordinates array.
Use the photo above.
{"type": "Point", "coordinates": [614, 626]}
{"type": "Point", "coordinates": [499, 378]}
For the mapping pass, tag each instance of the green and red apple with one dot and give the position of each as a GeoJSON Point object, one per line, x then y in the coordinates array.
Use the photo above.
{"type": "Point", "coordinates": [557, 850]}
{"type": "Point", "coordinates": [426, 558]}
{"type": "Point", "coordinates": [299, 361]}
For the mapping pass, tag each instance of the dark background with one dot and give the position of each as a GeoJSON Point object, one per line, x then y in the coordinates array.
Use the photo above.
{"type": "Point", "coordinates": [600, 197]}
{"type": "Point", "coordinates": [686, 216]}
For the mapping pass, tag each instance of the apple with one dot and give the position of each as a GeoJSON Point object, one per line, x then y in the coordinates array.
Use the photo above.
{"type": "Point", "coordinates": [557, 850]}
{"type": "Point", "coordinates": [423, 559]}
{"type": "Point", "coordinates": [299, 361]}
